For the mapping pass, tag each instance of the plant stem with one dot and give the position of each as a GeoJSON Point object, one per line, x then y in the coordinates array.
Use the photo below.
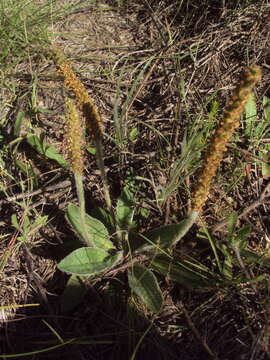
{"type": "Point", "coordinates": [80, 193]}
{"type": "Point", "coordinates": [106, 191]}
{"type": "Point", "coordinates": [100, 163]}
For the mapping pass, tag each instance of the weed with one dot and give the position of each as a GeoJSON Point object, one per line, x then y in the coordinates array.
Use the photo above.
{"type": "Point", "coordinates": [102, 254]}
{"type": "Point", "coordinates": [160, 73]}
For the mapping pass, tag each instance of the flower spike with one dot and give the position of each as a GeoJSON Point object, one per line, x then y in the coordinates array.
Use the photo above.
{"type": "Point", "coordinates": [220, 139]}
{"type": "Point", "coordinates": [85, 103]}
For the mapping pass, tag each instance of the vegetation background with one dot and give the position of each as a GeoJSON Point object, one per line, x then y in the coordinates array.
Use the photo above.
{"type": "Point", "coordinates": [160, 73]}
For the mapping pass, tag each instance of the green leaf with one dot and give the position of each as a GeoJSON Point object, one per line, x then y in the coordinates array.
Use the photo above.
{"type": "Point", "coordinates": [97, 232]}
{"type": "Point", "coordinates": [179, 272]}
{"type": "Point", "coordinates": [232, 221]}
{"type": "Point", "coordinates": [256, 279]}
{"type": "Point", "coordinates": [18, 123]}
{"type": "Point", "coordinates": [133, 134]}
{"type": "Point", "coordinates": [73, 294]}
{"type": "Point", "coordinates": [266, 156]}
{"type": "Point", "coordinates": [24, 226]}
{"type": "Point", "coordinates": [254, 258]}
{"type": "Point", "coordinates": [243, 233]}
{"type": "Point", "coordinates": [105, 217]}
{"type": "Point", "coordinates": [88, 261]}
{"type": "Point", "coordinates": [91, 150]}
{"type": "Point", "coordinates": [15, 223]}
{"type": "Point", "coordinates": [144, 284]}
{"type": "Point", "coordinates": [227, 267]}
{"type": "Point", "coordinates": [213, 110]}
{"type": "Point", "coordinates": [125, 206]}
{"type": "Point", "coordinates": [266, 170]}
{"type": "Point", "coordinates": [144, 212]}
{"type": "Point", "coordinates": [39, 222]}
{"type": "Point", "coordinates": [28, 171]}
{"type": "Point", "coordinates": [213, 244]}
{"type": "Point", "coordinates": [266, 108]}
{"type": "Point", "coordinates": [166, 236]}
{"type": "Point", "coordinates": [241, 237]}
{"type": "Point", "coordinates": [45, 149]}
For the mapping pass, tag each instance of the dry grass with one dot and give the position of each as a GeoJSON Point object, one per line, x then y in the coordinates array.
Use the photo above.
{"type": "Point", "coordinates": [155, 67]}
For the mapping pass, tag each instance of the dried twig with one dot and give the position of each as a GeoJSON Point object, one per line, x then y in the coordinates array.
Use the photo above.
{"type": "Point", "coordinates": [197, 334]}
{"type": "Point", "coordinates": [50, 188]}
{"type": "Point", "coordinates": [247, 153]}
{"type": "Point", "coordinates": [263, 199]}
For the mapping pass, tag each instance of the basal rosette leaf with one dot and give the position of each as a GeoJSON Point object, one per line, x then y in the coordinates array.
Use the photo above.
{"type": "Point", "coordinates": [96, 231]}
{"type": "Point", "coordinates": [144, 284]}
{"type": "Point", "coordinates": [125, 206]}
{"type": "Point", "coordinates": [87, 261]}
{"type": "Point", "coordinates": [166, 236]}
{"type": "Point", "coordinates": [73, 294]}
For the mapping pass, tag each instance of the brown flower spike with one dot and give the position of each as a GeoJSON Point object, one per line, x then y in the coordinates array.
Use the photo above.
{"type": "Point", "coordinates": [85, 103]}
{"type": "Point", "coordinates": [74, 138]}
{"type": "Point", "coordinates": [218, 143]}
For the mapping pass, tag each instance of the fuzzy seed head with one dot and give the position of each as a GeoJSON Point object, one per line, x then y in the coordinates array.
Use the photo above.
{"type": "Point", "coordinates": [74, 136]}
{"type": "Point", "coordinates": [85, 103]}
{"type": "Point", "coordinates": [221, 137]}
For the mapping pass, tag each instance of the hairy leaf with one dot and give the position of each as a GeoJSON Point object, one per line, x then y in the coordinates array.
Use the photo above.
{"type": "Point", "coordinates": [73, 294]}
{"type": "Point", "coordinates": [166, 236]}
{"type": "Point", "coordinates": [105, 217]}
{"type": "Point", "coordinates": [97, 232]}
{"type": "Point", "coordinates": [88, 261]}
{"type": "Point", "coordinates": [125, 206]}
{"type": "Point", "coordinates": [144, 284]}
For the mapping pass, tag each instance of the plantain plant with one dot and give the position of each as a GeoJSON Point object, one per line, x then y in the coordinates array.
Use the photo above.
{"type": "Point", "coordinates": [110, 240]}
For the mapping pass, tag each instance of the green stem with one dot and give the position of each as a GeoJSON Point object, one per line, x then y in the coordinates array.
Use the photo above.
{"type": "Point", "coordinates": [80, 193]}
{"type": "Point", "coordinates": [100, 162]}
{"type": "Point", "coordinates": [106, 191]}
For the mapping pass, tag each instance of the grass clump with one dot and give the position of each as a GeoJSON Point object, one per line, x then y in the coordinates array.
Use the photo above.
{"type": "Point", "coordinates": [24, 29]}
